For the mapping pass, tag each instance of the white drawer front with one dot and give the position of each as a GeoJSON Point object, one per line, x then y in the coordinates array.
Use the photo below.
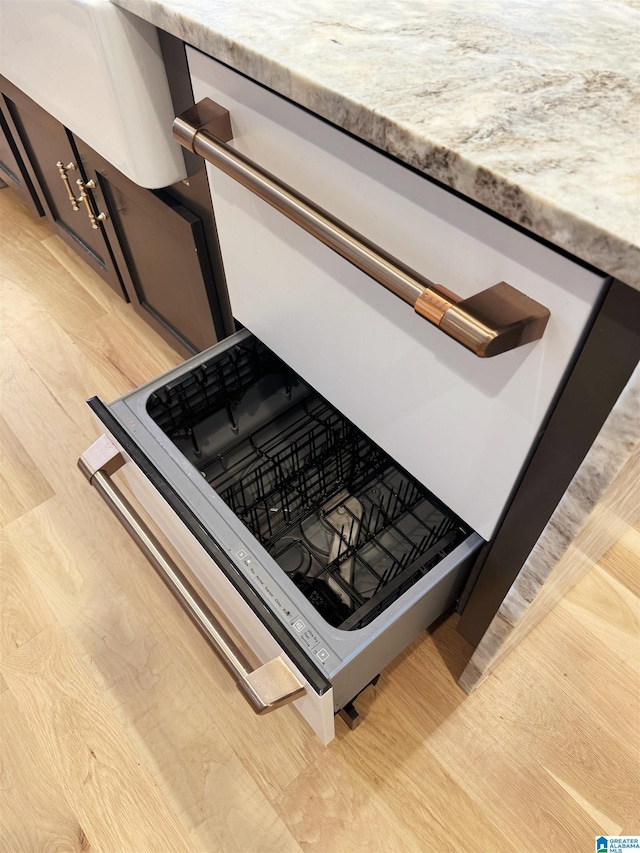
{"type": "Point", "coordinates": [463, 426]}
{"type": "Point", "coordinates": [316, 710]}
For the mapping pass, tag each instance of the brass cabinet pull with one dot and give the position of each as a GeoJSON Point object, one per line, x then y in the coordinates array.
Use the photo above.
{"type": "Point", "coordinates": [265, 688]}
{"type": "Point", "coordinates": [62, 170]}
{"type": "Point", "coordinates": [93, 219]}
{"type": "Point", "coordinates": [498, 319]}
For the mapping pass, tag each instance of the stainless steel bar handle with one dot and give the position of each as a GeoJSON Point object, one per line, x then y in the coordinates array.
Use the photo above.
{"type": "Point", "coordinates": [498, 319]}
{"type": "Point", "coordinates": [266, 688]}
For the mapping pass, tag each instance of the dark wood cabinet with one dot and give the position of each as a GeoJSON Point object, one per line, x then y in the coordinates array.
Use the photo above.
{"type": "Point", "coordinates": [55, 169]}
{"type": "Point", "coordinates": [13, 170]}
{"type": "Point", "coordinates": [154, 247]}
{"type": "Point", "coordinates": [161, 252]}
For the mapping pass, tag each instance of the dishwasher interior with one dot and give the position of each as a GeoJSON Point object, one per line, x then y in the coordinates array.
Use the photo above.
{"type": "Point", "coordinates": [350, 528]}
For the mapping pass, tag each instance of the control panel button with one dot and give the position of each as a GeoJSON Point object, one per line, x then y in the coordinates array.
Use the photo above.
{"type": "Point", "coordinates": [309, 639]}
{"type": "Point", "coordinates": [299, 626]}
{"type": "Point", "coordinates": [322, 654]}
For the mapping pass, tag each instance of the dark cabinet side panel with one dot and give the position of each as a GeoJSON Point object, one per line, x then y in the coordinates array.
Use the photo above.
{"type": "Point", "coordinates": [194, 192]}
{"type": "Point", "coordinates": [164, 247]}
{"type": "Point", "coordinates": [162, 253]}
{"type": "Point", "coordinates": [603, 368]}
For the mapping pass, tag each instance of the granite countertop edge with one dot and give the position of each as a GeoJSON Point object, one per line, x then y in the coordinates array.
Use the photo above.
{"type": "Point", "coordinates": [540, 214]}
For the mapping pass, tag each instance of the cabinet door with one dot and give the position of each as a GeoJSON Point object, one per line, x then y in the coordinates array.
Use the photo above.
{"type": "Point", "coordinates": [13, 171]}
{"type": "Point", "coordinates": [162, 254]}
{"type": "Point", "coordinates": [56, 169]}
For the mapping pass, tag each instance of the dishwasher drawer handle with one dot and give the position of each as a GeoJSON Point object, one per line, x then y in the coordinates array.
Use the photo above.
{"type": "Point", "coordinates": [266, 688]}
{"type": "Point", "coordinates": [496, 320]}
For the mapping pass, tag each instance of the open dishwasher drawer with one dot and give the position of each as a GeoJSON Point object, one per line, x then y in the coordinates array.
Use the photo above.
{"type": "Point", "coordinates": [331, 533]}
{"type": "Point", "coordinates": [314, 543]}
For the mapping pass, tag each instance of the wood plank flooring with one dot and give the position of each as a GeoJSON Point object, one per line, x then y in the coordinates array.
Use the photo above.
{"type": "Point", "coordinates": [121, 733]}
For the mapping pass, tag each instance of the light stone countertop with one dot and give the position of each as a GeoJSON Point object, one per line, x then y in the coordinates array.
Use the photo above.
{"type": "Point", "coordinates": [530, 107]}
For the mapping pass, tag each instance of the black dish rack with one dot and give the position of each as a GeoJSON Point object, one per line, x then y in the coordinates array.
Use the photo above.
{"type": "Point", "coordinates": [350, 527]}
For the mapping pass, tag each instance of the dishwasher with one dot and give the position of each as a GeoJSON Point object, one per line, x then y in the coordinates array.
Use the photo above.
{"type": "Point", "coordinates": [298, 509]}
{"type": "Point", "coordinates": [329, 474]}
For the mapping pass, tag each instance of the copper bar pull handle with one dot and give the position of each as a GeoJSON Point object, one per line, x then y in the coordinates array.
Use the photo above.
{"type": "Point", "coordinates": [62, 171]}
{"type": "Point", "coordinates": [493, 321]}
{"type": "Point", "coordinates": [265, 688]}
{"type": "Point", "coordinates": [84, 198]}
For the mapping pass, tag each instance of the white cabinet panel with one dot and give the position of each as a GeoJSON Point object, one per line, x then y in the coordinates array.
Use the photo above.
{"type": "Point", "coordinates": [463, 426]}
{"type": "Point", "coordinates": [224, 599]}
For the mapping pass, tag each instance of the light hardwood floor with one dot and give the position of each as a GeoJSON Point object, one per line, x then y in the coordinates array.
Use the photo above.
{"type": "Point", "coordinates": [121, 733]}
